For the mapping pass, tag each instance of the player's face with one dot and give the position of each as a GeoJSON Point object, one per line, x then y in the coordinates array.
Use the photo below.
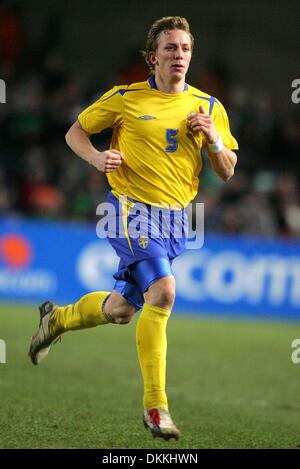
{"type": "Point", "coordinates": [173, 55]}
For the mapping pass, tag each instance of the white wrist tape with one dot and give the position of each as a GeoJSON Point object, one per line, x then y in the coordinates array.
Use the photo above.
{"type": "Point", "coordinates": [216, 147]}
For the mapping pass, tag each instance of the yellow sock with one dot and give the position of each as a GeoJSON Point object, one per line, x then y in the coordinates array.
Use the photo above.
{"type": "Point", "coordinates": [151, 342]}
{"type": "Point", "coordinates": [87, 312]}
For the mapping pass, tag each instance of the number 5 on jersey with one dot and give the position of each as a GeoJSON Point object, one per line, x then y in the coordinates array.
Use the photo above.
{"type": "Point", "coordinates": [171, 139]}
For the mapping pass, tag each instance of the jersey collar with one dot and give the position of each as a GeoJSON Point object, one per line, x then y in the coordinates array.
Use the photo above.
{"type": "Point", "coordinates": [151, 81]}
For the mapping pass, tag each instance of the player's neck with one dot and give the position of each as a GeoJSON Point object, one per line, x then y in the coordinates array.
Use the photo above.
{"type": "Point", "coordinates": [166, 87]}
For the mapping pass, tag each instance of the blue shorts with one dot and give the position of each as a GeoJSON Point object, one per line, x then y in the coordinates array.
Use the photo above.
{"type": "Point", "coordinates": [147, 239]}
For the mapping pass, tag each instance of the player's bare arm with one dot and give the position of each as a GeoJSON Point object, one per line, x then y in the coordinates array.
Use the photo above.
{"type": "Point", "coordinates": [79, 141]}
{"type": "Point", "coordinates": [224, 161]}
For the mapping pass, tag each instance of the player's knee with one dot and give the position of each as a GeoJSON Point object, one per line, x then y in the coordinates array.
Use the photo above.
{"type": "Point", "coordinates": [121, 319]}
{"type": "Point", "coordinates": [123, 316]}
{"type": "Point", "coordinates": [161, 294]}
{"type": "Point", "coordinates": [117, 309]}
{"type": "Point", "coordinates": [166, 296]}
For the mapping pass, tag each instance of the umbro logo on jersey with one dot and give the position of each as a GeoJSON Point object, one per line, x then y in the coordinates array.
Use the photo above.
{"type": "Point", "coordinates": [146, 117]}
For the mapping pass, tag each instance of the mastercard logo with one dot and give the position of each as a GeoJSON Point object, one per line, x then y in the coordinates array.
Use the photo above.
{"type": "Point", "coordinates": [15, 251]}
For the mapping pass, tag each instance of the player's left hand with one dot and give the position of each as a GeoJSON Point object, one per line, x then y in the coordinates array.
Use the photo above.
{"type": "Point", "coordinates": [202, 122]}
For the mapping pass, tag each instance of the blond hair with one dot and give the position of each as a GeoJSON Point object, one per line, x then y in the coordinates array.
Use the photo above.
{"type": "Point", "coordinates": [167, 23]}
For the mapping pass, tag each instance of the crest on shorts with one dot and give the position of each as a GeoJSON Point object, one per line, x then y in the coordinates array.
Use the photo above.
{"type": "Point", "coordinates": [143, 241]}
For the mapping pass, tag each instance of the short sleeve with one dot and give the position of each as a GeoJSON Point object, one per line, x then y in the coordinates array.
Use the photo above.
{"type": "Point", "coordinates": [104, 113]}
{"type": "Point", "coordinates": [222, 126]}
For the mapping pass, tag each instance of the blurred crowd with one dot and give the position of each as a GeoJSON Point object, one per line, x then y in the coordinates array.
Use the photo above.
{"type": "Point", "coordinates": [40, 177]}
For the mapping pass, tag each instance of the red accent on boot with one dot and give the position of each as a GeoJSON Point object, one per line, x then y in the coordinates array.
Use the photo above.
{"type": "Point", "coordinates": [154, 415]}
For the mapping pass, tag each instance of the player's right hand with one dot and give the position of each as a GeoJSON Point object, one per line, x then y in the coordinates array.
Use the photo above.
{"type": "Point", "coordinates": [109, 161]}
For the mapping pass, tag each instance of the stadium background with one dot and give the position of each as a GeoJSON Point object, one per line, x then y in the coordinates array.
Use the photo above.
{"type": "Point", "coordinates": [56, 57]}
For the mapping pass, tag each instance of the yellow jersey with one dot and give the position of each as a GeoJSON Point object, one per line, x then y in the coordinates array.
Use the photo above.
{"type": "Point", "coordinates": [162, 155]}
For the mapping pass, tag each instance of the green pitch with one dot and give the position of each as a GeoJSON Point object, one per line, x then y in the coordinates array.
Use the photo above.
{"type": "Point", "coordinates": [231, 384]}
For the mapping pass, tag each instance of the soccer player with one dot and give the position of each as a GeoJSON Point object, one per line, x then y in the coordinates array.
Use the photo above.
{"type": "Point", "coordinates": [159, 127]}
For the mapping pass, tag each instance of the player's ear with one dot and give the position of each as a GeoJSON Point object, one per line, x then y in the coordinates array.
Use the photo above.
{"type": "Point", "coordinates": [153, 58]}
